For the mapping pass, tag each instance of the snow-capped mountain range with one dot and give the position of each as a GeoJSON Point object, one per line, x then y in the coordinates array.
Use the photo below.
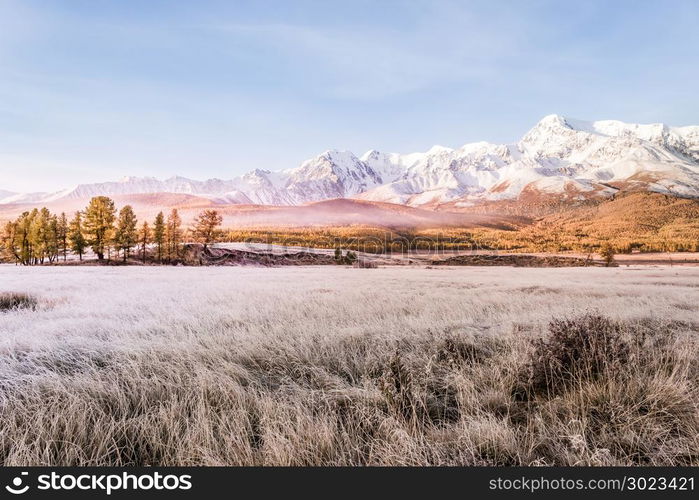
{"type": "Point", "coordinates": [563, 157]}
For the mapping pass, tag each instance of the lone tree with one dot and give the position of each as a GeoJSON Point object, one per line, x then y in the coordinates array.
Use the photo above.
{"type": "Point", "coordinates": [607, 253]}
{"type": "Point", "coordinates": [62, 235]}
{"type": "Point", "coordinates": [9, 236]}
{"type": "Point", "coordinates": [173, 234]}
{"type": "Point", "coordinates": [126, 235]}
{"type": "Point", "coordinates": [52, 243]}
{"type": "Point", "coordinates": [144, 238]}
{"type": "Point", "coordinates": [15, 240]}
{"type": "Point", "coordinates": [78, 243]}
{"type": "Point", "coordinates": [159, 234]}
{"type": "Point", "coordinates": [205, 224]}
{"type": "Point", "coordinates": [39, 234]}
{"type": "Point", "coordinates": [98, 226]}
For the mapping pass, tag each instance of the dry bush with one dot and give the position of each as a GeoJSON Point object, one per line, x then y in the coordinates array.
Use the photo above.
{"type": "Point", "coordinates": [583, 348]}
{"type": "Point", "coordinates": [600, 392]}
{"type": "Point", "coordinates": [15, 300]}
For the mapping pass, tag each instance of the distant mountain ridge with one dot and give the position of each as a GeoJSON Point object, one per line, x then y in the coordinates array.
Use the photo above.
{"type": "Point", "coordinates": [561, 157]}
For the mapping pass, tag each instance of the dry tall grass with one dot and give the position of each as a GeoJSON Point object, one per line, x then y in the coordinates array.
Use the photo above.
{"type": "Point", "coordinates": [12, 300]}
{"type": "Point", "coordinates": [330, 366]}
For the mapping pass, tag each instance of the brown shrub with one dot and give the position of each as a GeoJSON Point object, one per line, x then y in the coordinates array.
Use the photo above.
{"type": "Point", "coordinates": [582, 348]}
{"type": "Point", "coordinates": [13, 300]}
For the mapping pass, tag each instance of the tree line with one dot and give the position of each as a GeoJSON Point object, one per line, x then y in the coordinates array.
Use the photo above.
{"type": "Point", "coordinates": [38, 236]}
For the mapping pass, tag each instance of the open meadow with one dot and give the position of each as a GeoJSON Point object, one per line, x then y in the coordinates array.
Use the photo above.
{"type": "Point", "coordinates": [336, 365]}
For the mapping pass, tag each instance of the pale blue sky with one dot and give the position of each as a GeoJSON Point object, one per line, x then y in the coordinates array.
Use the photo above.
{"type": "Point", "coordinates": [95, 90]}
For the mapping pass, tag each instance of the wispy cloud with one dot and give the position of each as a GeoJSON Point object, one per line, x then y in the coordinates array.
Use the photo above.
{"type": "Point", "coordinates": [373, 64]}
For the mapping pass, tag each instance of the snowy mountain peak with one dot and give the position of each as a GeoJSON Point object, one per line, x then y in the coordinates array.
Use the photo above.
{"type": "Point", "coordinates": [553, 120]}
{"type": "Point", "coordinates": [559, 156]}
{"type": "Point", "coordinates": [437, 149]}
{"type": "Point", "coordinates": [370, 155]}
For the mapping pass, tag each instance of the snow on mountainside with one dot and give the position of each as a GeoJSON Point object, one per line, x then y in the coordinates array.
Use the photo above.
{"type": "Point", "coordinates": [572, 159]}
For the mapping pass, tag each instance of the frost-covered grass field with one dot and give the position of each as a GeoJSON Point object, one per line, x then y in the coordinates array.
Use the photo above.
{"type": "Point", "coordinates": [331, 365]}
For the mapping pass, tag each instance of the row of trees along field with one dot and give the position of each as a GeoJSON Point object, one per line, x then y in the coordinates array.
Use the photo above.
{"type": "Point", "coordinates": [38, 236]}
